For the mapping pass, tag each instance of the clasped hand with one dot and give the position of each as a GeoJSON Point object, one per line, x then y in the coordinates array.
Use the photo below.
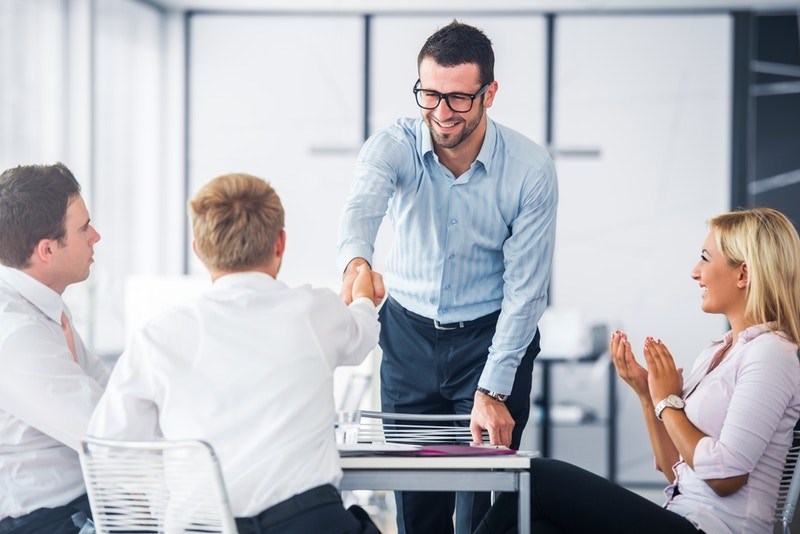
{"type": "Point", "coordinates": [356, 282]}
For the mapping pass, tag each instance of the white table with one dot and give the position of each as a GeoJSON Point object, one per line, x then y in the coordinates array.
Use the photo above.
{"type": "Point", "coordinates": [443, 473]}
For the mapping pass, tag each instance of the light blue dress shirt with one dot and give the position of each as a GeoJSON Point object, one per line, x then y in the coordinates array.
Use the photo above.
{"type": "Point", "coordinates": [463, 246]}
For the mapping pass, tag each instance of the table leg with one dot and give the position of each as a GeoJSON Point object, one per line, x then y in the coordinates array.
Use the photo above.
{"type": "Point", "coordinates": [524, 492]}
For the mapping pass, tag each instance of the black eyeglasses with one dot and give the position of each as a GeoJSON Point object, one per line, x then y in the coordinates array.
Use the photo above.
{"type": "Point", "coordinates": [458, 102]}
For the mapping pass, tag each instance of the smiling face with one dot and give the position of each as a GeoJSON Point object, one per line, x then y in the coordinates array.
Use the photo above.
{"type": "Point", "coordinates": [450, 129]}
{"type": "Point", "coordinates": [724, 286]}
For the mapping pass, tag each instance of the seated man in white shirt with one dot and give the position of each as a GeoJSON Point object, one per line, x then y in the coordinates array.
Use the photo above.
{"type": "Point", "coordinates": [248, 367]}
{"type": "Point", "coordinates": [49, 381]}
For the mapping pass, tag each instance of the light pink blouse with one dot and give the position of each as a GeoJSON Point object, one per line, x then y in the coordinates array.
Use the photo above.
{"type": "Point", "coordinates": [747, 407]}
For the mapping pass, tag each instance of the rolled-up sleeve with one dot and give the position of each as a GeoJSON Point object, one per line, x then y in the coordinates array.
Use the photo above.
{"type": "Point", "coordinates": [765, 385]}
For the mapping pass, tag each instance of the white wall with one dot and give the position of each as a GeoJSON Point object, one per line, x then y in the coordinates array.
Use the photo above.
{"type": "Point", "coordinates": [267, 100]}
{"type": "Point", "coordinates": [650, 94]}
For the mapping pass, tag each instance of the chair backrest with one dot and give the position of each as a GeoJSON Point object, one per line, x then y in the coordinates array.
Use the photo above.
{"type": "Point", "coordinates": [155, 487]}
{"type": "Point", "coordinates": [415, 429]}
{"type": "Point", "coordinates": [789, 490]}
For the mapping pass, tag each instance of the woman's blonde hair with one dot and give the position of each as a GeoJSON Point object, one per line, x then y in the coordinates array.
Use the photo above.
{"type": "Point", "coordinates": [236, 221]}
{"type": "Point", "coordinates": [767, 243]}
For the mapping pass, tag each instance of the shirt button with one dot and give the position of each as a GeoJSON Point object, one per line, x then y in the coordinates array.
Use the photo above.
{"type": "Point", "coordinates": [454, 221]}
{"type": "Point", "coordinates": [444, 311]}
{"type": "Point", "coordinates": [451, 256]}
{"type": "Point", "coordinates": [447, 286]}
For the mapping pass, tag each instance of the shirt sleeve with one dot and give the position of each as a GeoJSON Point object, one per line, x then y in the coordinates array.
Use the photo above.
{"type": "Point", "coordinates": [41, 384]}
{"type": "Point", "coordinates": [764, 388]}
{"type": "Point", "coordinates": [528, 256]}
{"type": "Point", "coordinates": [346, 334]}
{"type": "Point", "coordinates": [374, 183]}
{"type": "Point", "coordinates": [127, 410]}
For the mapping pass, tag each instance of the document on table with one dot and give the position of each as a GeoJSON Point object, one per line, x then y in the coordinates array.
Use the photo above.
{"type": "Point", "coordinates": [403, 449]}
{"type": "Point", "coordinates": [362, 449]}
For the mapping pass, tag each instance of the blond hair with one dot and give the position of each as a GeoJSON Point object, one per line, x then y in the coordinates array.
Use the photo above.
{"type": "Point", "coordinates": [236, 221]}
{"type": "Point", "coordinates": [767, 243]}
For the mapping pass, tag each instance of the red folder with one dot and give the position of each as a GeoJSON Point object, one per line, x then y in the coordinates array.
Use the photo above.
{"type": "Point", "coordinates": [462, 450]}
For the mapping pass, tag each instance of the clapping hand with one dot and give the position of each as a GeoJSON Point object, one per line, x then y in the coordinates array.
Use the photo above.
{"type": "Point", "coordinates": [627, 367]}
{"type": "Point", "coordinates": [664, 378]}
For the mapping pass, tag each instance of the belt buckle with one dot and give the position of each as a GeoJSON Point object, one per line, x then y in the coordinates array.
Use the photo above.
{"type": "Point", "coordinates": [438, 326]}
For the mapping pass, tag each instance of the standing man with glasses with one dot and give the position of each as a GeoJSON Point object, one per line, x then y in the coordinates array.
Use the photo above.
{"type": "Point", "coordinates": [473, 206]}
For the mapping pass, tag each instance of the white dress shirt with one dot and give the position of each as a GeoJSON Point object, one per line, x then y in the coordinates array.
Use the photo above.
{"type": "Point", "coordinates": [247, 367]}
{"type": "Point", "coordinates": [46, 398]}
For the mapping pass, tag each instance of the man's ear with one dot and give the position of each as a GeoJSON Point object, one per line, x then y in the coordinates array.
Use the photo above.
{"type": "Point", "coordinates": [744, 277]}
{"type": "Point", "coordinates": [280, 244]}
{"type": "Point", "coordinates": [44, 250]}
{"type": "Point", "coordinates": [490, 93]}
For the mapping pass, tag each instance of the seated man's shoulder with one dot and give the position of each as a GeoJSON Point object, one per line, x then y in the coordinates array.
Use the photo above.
{"type": "Point", "coordinates": [16, 314]}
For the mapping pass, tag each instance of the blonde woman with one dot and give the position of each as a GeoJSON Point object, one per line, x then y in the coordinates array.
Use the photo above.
{"type": "Point", "coordinates": [720, 435]}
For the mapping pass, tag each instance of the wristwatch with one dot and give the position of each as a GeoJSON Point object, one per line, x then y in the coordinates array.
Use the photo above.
{"type": "Point", "coordinates": [672, 401]}
{"type": "Point", "coordinates": [493, 394]}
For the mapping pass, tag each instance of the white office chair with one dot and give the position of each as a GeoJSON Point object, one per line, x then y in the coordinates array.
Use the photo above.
{"type": "Point", "coordinates": [415, 429]}
{"type": "Point", "coordinates": [789, 490]}
{"type": "Point", "coordinates": [158, 487]}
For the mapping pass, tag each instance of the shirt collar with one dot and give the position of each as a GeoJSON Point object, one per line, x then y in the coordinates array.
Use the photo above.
{"type": "Point", "coordinates": [426, 143]}
{"type": "Point", "coordinates": [749, 334]}
{"type": "Point", "coordinates": [484, 155]}
{"type": "Point", "coordinates": [243, 278]}
{"type": "Point", "coordinates": [35, 292]}
{"type": "Point", "coordinates": [488, 147]}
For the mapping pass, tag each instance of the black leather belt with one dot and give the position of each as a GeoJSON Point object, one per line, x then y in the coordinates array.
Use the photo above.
{"type": "Point", "coordinates": [313, 498]}
{"type": "Point", "coordinates": [449, 326]}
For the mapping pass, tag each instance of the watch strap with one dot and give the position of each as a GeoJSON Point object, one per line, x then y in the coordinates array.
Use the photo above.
{"type": "Point", "coordinates": [670, 401]}
{"type": "Point", "coordinates": [493, 394]}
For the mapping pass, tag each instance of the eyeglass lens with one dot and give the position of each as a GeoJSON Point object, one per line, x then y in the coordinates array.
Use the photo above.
{"type": "Point", "coordinates": [457, 102]}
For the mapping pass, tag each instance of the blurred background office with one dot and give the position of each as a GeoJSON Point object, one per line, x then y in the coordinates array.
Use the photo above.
{"type": "Point", "coordinates": [658, 114]}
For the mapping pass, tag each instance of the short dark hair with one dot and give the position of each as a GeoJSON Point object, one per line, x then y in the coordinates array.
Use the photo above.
{"type": "Point", "coordinates": [33, 206]}
{"type": "Point", "coordinates": [457, 44]}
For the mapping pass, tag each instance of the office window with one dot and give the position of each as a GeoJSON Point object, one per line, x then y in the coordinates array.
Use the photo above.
{"type": "Point", "coordinates": [267, 100]}
{"type": "Point", "coordinates": [650, 96]}
{"type": "Point", "coordinates": [136, 206]}
{"type": "Point", "coordinates": [32, 78]}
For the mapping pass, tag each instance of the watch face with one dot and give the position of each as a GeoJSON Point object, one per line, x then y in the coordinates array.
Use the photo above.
{"type": "Point", "coordinates": [671, 401]}
{"type": "Point", "coordinates": [675, 401]}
